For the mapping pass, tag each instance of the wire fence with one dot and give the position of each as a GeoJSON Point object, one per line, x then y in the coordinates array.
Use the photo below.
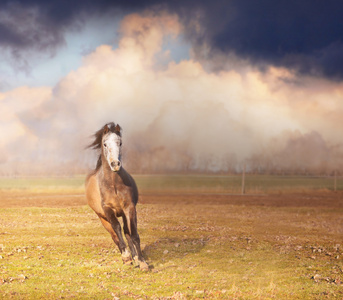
{"type": "Point", "coordinates": [238, 184]}
{"type": "Point", "coordinates": [192, 183]}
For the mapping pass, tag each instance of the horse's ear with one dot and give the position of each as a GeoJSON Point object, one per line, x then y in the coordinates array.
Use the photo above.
{"type": "Point", "coordinates": [118, 129]}
{"type": "Point", "coordinates": [106, 129]}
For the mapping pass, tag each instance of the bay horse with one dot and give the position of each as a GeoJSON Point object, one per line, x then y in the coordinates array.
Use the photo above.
{"type": "Point", "coordinates": [112, 193]}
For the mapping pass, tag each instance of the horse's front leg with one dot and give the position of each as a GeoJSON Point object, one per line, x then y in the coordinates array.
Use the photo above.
{"type": "Point", "coordinates": [127, 233]}
{"type": "Point", "coordinates": [111, 216]}
{"type": "Point", "coordinates": [136, 241]}
{"type": "Point", "coordinates": [131, 232]}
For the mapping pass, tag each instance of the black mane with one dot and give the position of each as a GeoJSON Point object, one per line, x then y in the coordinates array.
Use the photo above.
{"type": "Point", "coordinates": [98, 135]}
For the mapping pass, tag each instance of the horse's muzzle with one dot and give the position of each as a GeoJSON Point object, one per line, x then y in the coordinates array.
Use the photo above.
{"type": "Point", "coordinates": [115, 166]}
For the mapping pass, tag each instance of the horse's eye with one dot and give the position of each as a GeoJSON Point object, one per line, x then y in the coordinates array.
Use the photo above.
{"type": "Point", "coordinates": [120, 143]}
{"type": "Point", "coordinates": [105, 145]}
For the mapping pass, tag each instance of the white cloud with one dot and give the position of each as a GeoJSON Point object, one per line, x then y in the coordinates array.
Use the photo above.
{"type": "Point", "coordinates": [172, 115]}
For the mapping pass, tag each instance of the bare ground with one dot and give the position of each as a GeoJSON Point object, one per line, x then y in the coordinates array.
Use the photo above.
{"type": "Point", "coordinates": [10, 198]}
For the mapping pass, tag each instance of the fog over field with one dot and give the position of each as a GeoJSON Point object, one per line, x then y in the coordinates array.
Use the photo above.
{"type": "Point", "coordinates": [208, 110]}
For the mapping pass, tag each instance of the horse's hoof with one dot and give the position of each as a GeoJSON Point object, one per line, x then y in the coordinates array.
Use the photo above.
{"type": "Point", "coordinates": [143, 266]}
{"type": "Point", "coordinates": [136, 261]}
{"type": "Point", "coordinates": [127, 262]}
{"type": "Point", "coordinates": [126, 257]}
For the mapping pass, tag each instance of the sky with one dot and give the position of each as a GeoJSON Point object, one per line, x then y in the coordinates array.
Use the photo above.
{"type": "Point", "coordinates": [195, 85]}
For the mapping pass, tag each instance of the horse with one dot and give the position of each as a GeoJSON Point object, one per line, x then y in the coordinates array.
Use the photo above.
{"type": "Point", "coordinates": [112, 193]}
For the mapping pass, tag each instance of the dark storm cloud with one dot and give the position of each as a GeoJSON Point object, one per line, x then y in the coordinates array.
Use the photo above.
{"type": "Point", "coordinates": [304, 35]}
{"type": "Point", "coordinates": [27, 26]}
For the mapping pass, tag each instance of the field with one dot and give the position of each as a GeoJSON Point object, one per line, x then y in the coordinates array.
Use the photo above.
{"type": "Point", "coordinates": [201, 238]}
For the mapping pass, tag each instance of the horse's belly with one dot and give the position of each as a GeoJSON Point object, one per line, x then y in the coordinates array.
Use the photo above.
{"type": "Point", "coordinates": [115, 206]}
{"type": "Point", "coordinates": [118, 202]}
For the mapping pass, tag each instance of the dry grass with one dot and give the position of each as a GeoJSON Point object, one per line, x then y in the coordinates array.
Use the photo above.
{"type": "Point", "coordinates": [199, 246]}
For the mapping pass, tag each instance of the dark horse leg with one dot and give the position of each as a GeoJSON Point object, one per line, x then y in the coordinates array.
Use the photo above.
{"type": "Point", "coordinates": [125, 254]}
{"type": "Point", "coordinates": [109, 228]}
{"type": "Point", "coordinates": [132, 236]}
{"type": "Point", "coordinates": [128, 238]}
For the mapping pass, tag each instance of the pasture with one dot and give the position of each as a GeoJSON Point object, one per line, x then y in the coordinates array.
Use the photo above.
{"type": "Point", "coordinates": [202, 240]}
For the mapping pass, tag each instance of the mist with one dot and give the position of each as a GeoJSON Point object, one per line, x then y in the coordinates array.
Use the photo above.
{"type": "Point", "coordinates": [176, 116]}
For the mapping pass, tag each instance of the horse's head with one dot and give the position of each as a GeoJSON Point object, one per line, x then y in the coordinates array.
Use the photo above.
{"type": "Point", "coordinates": [111, 145]}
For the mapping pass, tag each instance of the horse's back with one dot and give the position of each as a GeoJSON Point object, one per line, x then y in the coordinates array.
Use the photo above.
{"type": "Point", "coordinates": [93, 194]}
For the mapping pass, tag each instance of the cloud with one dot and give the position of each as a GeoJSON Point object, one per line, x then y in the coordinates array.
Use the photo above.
{"type": "Point", "coordinates": [175, 116]}
{"type": "Point", "coordinates": [302, 35]}
{"type": "Point", "coordinates": [24, 31]}
{"type": "Point", "coordinates": [20, 144]}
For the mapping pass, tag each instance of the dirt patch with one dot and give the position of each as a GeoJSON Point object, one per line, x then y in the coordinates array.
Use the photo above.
{"type": "Point", "coordinates": [23, 199]}
{"type": "Point", "coordinates": [9, 198]}
{"type": "Point", "coordinates": [326, 199]}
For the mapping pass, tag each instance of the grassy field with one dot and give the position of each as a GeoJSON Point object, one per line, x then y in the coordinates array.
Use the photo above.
{"type": "Point", "coordinates": [201, 240]}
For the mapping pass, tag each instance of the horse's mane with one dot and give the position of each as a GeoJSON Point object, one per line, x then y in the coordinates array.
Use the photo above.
{"type": "Point", "coordinates": [98, 135]}
{"type": "Point", "coordinates": [109, 127]}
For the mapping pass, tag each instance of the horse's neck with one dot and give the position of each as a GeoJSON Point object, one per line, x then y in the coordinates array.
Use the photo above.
{"type": "Point", "coordinates": [110, 176]}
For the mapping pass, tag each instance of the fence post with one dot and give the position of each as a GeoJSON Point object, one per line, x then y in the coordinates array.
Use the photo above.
{"type": "Point", "coordinates": [335, 182]}
{"type": "Point", "coordinates": [243, 180]}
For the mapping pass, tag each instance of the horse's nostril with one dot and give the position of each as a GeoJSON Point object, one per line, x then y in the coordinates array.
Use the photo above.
{"type": "Point", "coordinates": [115, 164]}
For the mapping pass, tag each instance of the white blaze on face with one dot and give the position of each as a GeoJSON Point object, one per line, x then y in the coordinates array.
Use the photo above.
{"type": "Point", "coordinates": [111, 144]}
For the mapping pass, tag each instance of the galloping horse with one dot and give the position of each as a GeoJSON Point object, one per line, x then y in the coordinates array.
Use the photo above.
{"type": "Point", "coordinates": [112, 193]}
